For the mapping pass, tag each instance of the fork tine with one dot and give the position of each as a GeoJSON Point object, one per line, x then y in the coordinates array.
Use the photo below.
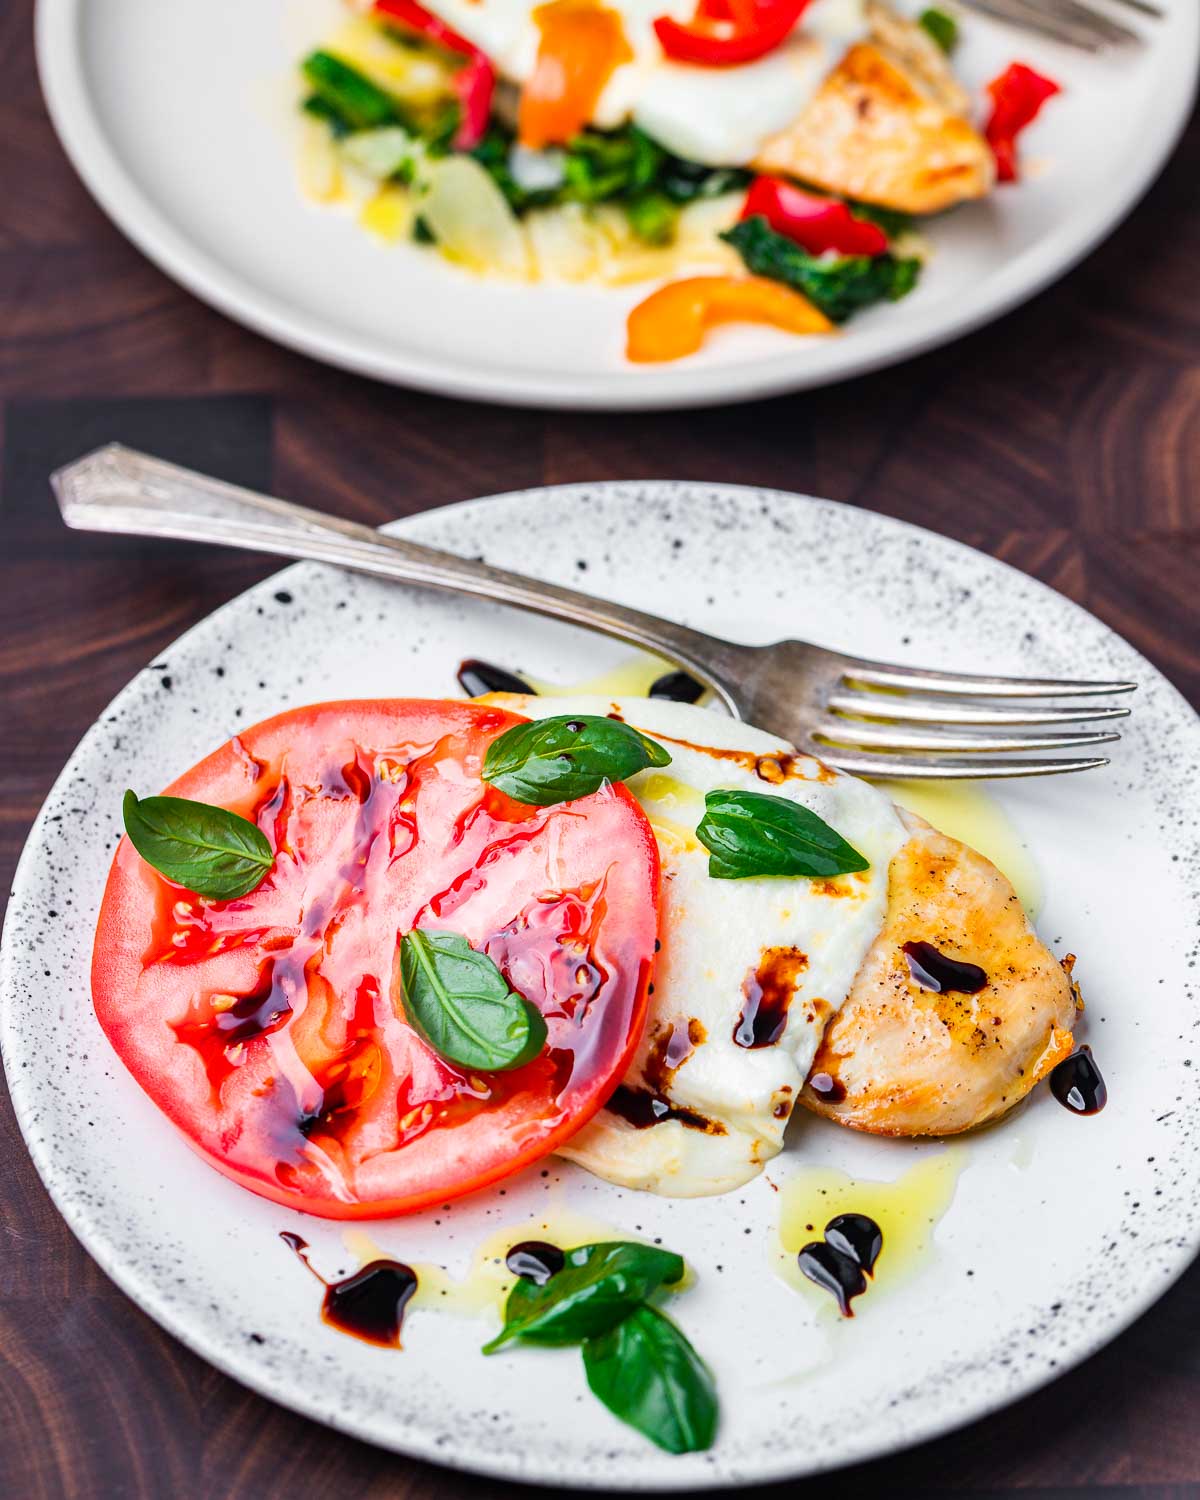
{"type": "Point", "coordinates": [907, 768]}
{"type": "Point", "coordinates": [887, 737]}
{"type": "Point", "coordinates": [1021, 13]}
{"type": "Point", "coordinates": [1085, 15]}
{"type": "Point", "coordinates": [968, 685]}
{"type": "Point", "coordinates": [907, 710]}
{"type": "Point", "coordinates": [1144, 7]}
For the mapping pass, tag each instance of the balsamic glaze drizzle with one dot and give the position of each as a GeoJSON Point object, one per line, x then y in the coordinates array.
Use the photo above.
{"type": "Point", "coordinates": [369, 1304]}
{"type": "Point", "coordinates": [828, 1089]}
{"type": "Point", "coordinates": [535, 1260]}
{"type": "Point", "coordinates": [1077, 1083]}
{"type": "Point", "coordinates": [934, 970]}
{"type": "Point", "coordinates": [642, 1108]}
{"type": "Point", "coordinates": [768, 990]}
{"type": "Point", "coordinates": [834, 1272]}
{"type": "Point", "coordinates": [842, 1261]}
{"type": "Point", "coordinates": [857, 1236]}
{"type": "Point", "coordinates": [679, 687]}
{"type": "Point", "coordinates": [478, 677]}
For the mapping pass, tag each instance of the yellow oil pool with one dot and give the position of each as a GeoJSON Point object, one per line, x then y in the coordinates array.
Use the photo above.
{"type": "Point", "coordinates": [907, 1211]}
{"type": "Point", "coordinates": [965, 811]}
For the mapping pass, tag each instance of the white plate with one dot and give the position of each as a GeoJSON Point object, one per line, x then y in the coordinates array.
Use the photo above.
{"type": "Point", "coordinates": [1061, 1230]}
{"type": "Point", "coordinates": [180, 117]}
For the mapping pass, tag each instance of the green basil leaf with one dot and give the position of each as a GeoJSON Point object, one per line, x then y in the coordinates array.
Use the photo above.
{"type": "Point", "coordinates": [751, 833]}
{"type": "Point", "coordinates": [205, 849]}
{"type": "Point", "coordinates": [647, 1373]}
{"type": "Point", "coordinates": [461, 1004]}
{"type": "Point", "coordinates": [570, 756]}
{"type": "Point", "coordinates": [597, 1287]}
{"type": "Point", "coordinates": [941, 26]}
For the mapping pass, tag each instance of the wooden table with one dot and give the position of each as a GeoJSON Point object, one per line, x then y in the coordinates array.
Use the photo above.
{"type": "Point", "coordinates": [1066, 440]}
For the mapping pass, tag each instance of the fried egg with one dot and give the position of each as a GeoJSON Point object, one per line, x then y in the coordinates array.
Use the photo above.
{"type": "Point", "coordinates": [715, 116]}
{"type": "Point", "coordinates": [750, 971]}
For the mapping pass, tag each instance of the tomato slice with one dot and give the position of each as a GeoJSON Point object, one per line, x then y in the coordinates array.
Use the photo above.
{"type": "Point", "coordinates": [271, 1028]}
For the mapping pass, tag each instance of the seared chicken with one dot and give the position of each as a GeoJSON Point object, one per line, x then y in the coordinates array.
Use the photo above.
{"type": "Point", "coordinates": [901, 1059]}
{"type": "Point", "coordinates": [888, 126]}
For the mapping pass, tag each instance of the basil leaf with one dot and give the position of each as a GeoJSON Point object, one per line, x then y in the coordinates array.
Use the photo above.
{"type": "Point", "coordinates": [205, 849]}
{"type": "Point", "coordinates": [751, 833]}
{"type": "Point", "coordinates": [461, 1004]}
{"type": "Point", "coordinates": [597, 1287]}
{"type": "Point", "coordinates": [570, 756]}
{"type": "Point", "coordinates": [647, 1373]}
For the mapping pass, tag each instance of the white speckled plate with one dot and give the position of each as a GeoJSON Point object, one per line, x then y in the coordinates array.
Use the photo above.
{"type": "Point", "coordinates": [180, 118]}
{"type": "Point", "coordinates": [1061, 1229]}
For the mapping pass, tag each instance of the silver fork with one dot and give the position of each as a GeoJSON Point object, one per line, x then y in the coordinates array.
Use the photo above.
{"type": "Point", "coordinates": [866, 717]}
{"type": "Point", "coordinates": [1071, 21]}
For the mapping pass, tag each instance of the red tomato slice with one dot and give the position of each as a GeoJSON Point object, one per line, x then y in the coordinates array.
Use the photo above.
{"type": "Point", "coordinates": [271, 1028]}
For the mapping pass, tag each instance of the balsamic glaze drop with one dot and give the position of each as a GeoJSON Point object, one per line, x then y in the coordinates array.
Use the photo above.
{"type": "Point", "coordinates": [768, 991]}
{"type": "Point", "coordinates": [1078, 1085]}
{"type": "Point", "coordinates": [857, 1236]}
{"type": "Point", "coordinates": [934, 970]}
{"type": "Point", "coordinates": [834, 1271]}
{"type": "Point", "coordinates": [369, 1304]}
{"type": "Point", "coordinates": [479, 677]}
{"type": "Point", "coordinates": [535, 1260]}
{"type": "Point", "coordinates": [828, 1089]}
{"type": "Point", "coordinates": [642, 1108]}
{"type": "Point", "coordinates": [677, 686]}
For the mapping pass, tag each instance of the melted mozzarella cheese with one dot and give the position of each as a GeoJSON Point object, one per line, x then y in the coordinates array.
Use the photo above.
{"type": "Point", "coordinates": [729, 1103]}
{"type": "Point", "coordinates": [716, 116]}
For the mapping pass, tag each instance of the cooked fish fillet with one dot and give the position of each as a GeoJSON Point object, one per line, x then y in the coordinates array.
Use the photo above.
{"type": "Point", "coordinates": [899, 1059]}
{"type": "Point", "coordinates": [888, 126]}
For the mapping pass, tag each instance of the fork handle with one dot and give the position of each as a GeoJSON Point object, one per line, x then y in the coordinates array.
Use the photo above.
{"type": "Point", "coordinates": [117, 489]}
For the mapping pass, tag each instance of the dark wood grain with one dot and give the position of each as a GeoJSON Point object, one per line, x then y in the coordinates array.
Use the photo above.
{"type": "Point", "coordinates": [1065, 439]}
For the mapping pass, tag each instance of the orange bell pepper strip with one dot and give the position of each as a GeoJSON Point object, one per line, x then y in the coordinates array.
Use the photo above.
{"type": "Point", "coordinates": [672, 321]}
{"type": "Point", "coordinates": [582, 45]}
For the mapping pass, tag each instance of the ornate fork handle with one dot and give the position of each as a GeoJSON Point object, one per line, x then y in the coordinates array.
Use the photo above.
{"type": "Point", "coordinates": [116, 489]}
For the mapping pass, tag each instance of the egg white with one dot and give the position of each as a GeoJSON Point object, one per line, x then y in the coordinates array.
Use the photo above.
{"type": "Point", "coordinates": [714, 934]}
{"type": "Point", "coordinates": [716, 116]}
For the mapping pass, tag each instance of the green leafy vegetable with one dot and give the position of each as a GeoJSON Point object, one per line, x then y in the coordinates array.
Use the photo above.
{"type": "Point", "coordinates": [753, 833]}
{"type": "Point", "coordinates": [600, 165]}
{"type": "Point", "coordinates": [839, 285]}
{"type": "Point", "coordinates": [205, 849]}
{"type": "Point", "coordinates": [569, 756]}
{"type": "Point", "coordinates": [597, 1287]}
{"type": "Point", "coordinates": [647, 1373]}
{"type": "Point", "coordinates": [653, 217]}
{"type": "Point", "coordinates": [316, 106]}
{"type": "Point", "coordinates": [892, 221]}
{"type": "Point", "coordinates": [625, 166]}
{"type": "Point", "coordinates": [686, 181]}
{"type": "Point", "coordinates": [461, 1004]}
{"type": "Point", "coordinates": [941, 27]}
{"type": "Point", "coordinates": [349, 95]}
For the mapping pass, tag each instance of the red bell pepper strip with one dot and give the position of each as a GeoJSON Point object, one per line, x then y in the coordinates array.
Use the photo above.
{"type": "Point", "coordinates": [1017, 96]}
{"type": "Point", "coordinates": [725, 32]}
{"type": "Point", "coordinates": [816, 224]}
{"type": "Point", "coordinates": [474, 83]}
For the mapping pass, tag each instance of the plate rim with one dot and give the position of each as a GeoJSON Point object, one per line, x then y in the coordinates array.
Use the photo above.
{"type": "Point", "coordinates": [63, 81]}
{"type": "Point", "coordinates": [142, 1291]}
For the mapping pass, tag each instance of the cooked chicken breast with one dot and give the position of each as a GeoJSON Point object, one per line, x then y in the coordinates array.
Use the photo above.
{"type": "Point", "coordinates": [888, 126]}
{"type": "Point", "coordinates": [903, 1059]}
